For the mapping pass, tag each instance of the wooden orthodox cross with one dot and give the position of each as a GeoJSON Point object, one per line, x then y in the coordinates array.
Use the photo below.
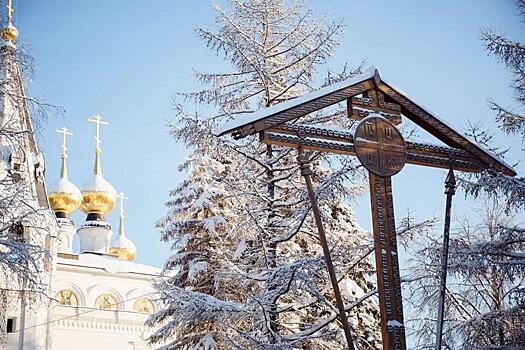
{"type": "Point", "coordinates": [381, 149]}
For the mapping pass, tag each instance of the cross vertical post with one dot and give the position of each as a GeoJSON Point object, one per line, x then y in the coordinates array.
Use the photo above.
{"type": "Point", "coordinates": [382, 150]}
{"type": "Point", "coordinates": [306, 172]}
{"type": "Point", "coordinates": [450, 190]}
{"type": "Point", "coordinates": [387, 264]}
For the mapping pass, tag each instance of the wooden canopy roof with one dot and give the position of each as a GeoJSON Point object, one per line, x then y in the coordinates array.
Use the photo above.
{"type": "Point", "coordinates": [388, 99]}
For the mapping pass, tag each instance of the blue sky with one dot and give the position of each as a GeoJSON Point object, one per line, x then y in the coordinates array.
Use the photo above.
{"type": "Point", "coordinates": [126, 59]}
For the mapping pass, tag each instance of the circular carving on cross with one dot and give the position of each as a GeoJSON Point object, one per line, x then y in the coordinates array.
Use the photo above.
{"type": "Point", "coordinates": [380, 146]}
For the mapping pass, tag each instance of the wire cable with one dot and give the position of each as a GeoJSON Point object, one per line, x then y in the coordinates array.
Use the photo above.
{"type": "Point", "coordinates": [80, 314]}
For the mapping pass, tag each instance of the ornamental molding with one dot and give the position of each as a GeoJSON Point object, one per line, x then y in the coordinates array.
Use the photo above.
{"type": "Point", "coordinates": [117, 322]}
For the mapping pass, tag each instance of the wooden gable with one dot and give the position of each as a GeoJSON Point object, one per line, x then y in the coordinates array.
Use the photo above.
{"type": "Point", "coordinates": [365, 94]}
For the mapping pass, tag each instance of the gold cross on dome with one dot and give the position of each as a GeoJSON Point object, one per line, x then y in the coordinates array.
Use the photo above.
{"type": "Point", "coordinates": [65, 133]}
{"type": "Point", "coordinates": [121, 196]}
{"type": "Point", "coordinates": [98, 121]}
{"type": "Point", "coordinates": [10, 11]}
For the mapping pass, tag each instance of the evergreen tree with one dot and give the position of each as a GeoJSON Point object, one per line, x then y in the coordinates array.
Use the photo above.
{"type": "Point", "coordinates": [196, 223]}
{"type": "Point", "coordinates": [261, 281]}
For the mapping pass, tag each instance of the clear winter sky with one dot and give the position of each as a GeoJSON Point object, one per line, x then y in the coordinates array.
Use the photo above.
{"type": "Point", "coordinates": [126, 59]}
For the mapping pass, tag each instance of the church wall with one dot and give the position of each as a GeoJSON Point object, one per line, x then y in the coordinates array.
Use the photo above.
{"type": "Point", "coordinates": [99, 329]}
{"type": "Point", "coordinates": [90, 283]}
{"type": "Point", "coordinates": [85, 325]}
{"type": "Point", "coordinates": [29, 326]}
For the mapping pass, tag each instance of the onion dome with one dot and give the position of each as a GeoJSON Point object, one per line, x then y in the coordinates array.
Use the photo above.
{"type": "Point", "coordinates": [121, 246]}
{"type": "Point", "coordinates": [63, 195]}
{"type": "Point", "coordinates": [9, 33]}
{"type": "Point", "coordinates": [98, 195]}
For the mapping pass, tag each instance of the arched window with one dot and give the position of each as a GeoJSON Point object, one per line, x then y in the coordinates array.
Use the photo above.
{"type": "Point", "coordinates": [144, 306]}
{"type": "Point", "coordinates": [106, 302]}
{"type": "Point", "coordinates": [67, 297]}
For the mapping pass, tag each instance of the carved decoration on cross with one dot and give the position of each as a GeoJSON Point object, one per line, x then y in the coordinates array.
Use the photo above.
{"type": "Point", "coordinates": [373, 101]}
{"type": "Point", "coordinates": [379, 146]}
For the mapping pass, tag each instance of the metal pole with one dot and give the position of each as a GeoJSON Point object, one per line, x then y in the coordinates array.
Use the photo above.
{"type": "Point", "coordinates": [450, 190]}
{"type": "Point", "coordinates": [306, 172]}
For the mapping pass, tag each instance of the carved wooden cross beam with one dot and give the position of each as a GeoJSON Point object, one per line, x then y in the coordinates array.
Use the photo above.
{"type": "Point", "coordinates": [342, 142]}
{"type": "Point", "coordinates": [381, 149]}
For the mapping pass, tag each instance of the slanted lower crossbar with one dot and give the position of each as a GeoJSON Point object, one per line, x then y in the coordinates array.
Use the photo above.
{"type": "Point", "coordinates": [306, 172]}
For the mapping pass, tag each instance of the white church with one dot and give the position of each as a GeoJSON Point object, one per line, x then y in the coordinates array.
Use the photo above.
{"type": "Point", "coordinates": [96, 298]}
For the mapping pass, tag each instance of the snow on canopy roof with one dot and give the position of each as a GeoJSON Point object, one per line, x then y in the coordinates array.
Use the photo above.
{"type": "Point", "coordinates": [248, 118]}
{"type": "Point", "coordinates": [371, 73]}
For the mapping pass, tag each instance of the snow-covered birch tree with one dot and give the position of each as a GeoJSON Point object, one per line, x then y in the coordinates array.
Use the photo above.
{"type": "Point", "coordinates": [247, 270]}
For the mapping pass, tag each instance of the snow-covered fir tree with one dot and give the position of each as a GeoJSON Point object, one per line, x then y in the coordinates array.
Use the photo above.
{"type": "Point", "coordinates": [485, 300]}
{"type": "Point", "coordinates": [247, 270]}
{"type": "Point", "coordinates": [197, 225]}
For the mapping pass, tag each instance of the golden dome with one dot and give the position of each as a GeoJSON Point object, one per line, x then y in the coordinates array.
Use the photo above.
{"type": "Point", "coordinates": [98, 196]}
{"type": "Point", "coordinates": [122, 247]}
{"type": "Point", "coordinates": [63, 196]}
{"type": "Point", "coordinates": [9, 33]}
{"type": "Point", "coordinates": [123, 253]}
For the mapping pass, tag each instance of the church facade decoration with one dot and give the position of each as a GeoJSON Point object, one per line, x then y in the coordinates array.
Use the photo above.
{"type": "Point", "coordinates": [106, 302]}
{"type": "Point", "coordinates": [67, 297]}
{"type": "Point", "coordinates": [144, 306]}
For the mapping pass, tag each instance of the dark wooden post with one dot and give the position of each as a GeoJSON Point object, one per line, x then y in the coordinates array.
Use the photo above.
{"type": "Point", "coordinates": [387, 264]}
{"type": "Point", "coordinates": [306, 172]}
{"type": "Point", "coordinates": [450, 190]}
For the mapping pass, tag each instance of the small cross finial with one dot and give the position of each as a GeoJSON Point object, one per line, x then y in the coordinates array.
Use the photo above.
{"type": "Point", "coordinates": [98, 121]}
{"type": "Point", "coordinates": [10, 11]}
{"type": "Point", "coordinates": [65, 133]}
{"type": "Point", "coordinates": [121, 196]}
